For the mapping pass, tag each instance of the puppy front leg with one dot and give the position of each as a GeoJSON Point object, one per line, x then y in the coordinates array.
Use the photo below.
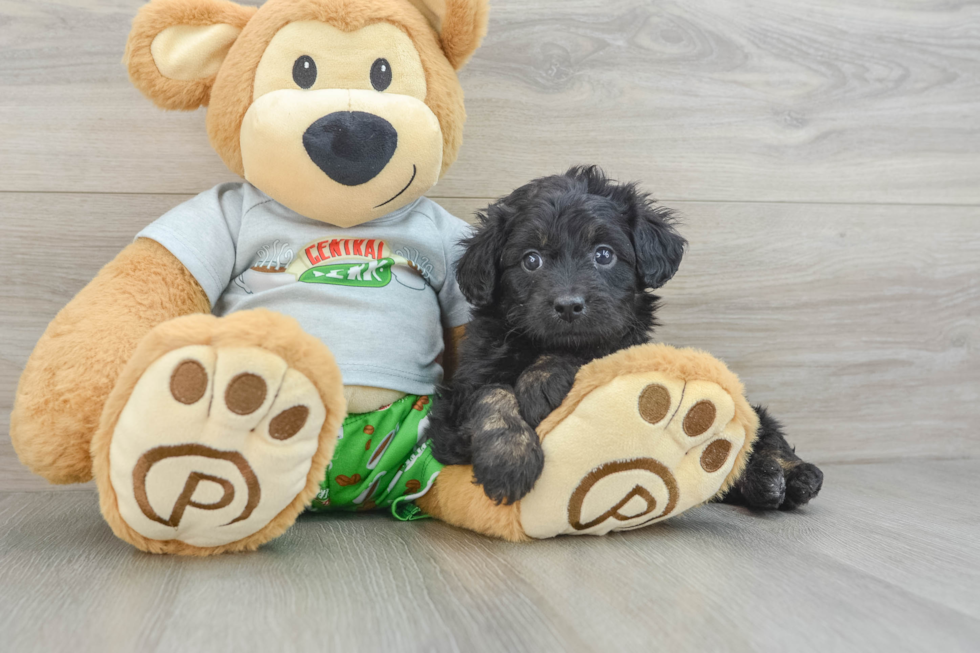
{"type": "Point", "coordinates": [507, 454]}
{"type": "Point", "coordinates": [544, 385]}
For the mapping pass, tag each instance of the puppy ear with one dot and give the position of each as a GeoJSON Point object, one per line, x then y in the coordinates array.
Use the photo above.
{"type": "Point", "coordinates": [461, 24]}
{"type": "Point", "coordinates": [176, 48]}
{"type": "Point", "coordinates": [659, 248]}
{"type": "Point", "coordinates": [479, 267]}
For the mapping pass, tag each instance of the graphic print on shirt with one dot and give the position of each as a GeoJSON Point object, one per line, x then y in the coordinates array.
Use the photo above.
{"type": "Point", "coordinates": [356, 262]}
{"type": "Point", "coordinates": [270, 267]}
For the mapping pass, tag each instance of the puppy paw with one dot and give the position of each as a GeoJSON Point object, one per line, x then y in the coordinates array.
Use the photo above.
{"type": "Point", "coordinates": [507, 455]}
{"type": "Point", "coordinates": [770, 483]}
{"type": "Point", "coordinates": [543, 386]}
{"type": "Point", "coordinates": [508, 468]}
{"type": "Point", "coordinates": [803, 483]}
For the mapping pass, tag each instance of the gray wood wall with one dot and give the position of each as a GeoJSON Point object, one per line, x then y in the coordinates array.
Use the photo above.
{"type": "Point", "coordinates": [825, 156]}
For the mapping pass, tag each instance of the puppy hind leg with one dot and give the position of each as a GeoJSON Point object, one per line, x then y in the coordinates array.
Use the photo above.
{"type": "Point", "coordinates": [775, 477]}
{"type": "Point", "coordinates": [451, 444]}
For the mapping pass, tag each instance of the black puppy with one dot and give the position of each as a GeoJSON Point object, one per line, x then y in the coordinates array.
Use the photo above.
{"type": "Point", "coordinates": [559, 274]}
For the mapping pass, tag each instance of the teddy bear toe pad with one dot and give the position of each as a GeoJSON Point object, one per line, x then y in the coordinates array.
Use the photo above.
{"type": "Point", "coordinates": [637, 450]}
{"type": "Point", "coordinates": [213, 443]}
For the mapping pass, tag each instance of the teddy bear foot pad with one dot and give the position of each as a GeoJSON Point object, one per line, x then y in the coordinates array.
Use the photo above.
{"type": "Point", "coordinates": [212, 444]}
{"type": "Point", "coordinates": [663, 445]}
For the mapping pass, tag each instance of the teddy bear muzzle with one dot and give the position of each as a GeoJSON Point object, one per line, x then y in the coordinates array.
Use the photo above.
{"type": "Point", "coordinates": [341, 156]}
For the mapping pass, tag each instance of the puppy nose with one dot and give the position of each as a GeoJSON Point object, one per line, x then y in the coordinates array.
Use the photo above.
{"type": "Point", "coordinates": [570, 308]}
{"type": "Point", "coordinates": [351, 147]}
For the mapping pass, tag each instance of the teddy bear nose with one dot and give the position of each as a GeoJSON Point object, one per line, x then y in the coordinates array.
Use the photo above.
{"type": "Point", "coordinates": [351, 147]}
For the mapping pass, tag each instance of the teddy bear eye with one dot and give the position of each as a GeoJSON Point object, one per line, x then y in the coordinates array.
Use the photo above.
{"type": "Point", "coordinates": [380, 74]}
{"type": "Point", "coordinates": [531, 261]}
{"type": "Point", "coordinates": [604, 256]}
{"type": "Point", "coordinates": [304, 72]}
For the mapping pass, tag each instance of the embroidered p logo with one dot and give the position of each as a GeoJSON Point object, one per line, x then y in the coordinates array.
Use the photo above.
{"type": "Point", "coordinates": [643, 484]}
{"type": "Point", "coordinates": [194, 479]}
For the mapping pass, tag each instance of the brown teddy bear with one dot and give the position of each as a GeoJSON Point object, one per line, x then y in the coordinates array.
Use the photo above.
{"type": "Point", "coordinates": [274, 345]}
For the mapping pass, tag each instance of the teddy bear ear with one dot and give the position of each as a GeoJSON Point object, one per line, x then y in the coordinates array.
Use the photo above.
{"type": "Point", "coordinates": [461, 24]}
{"type": "Point", "coordinates": [176, 48]}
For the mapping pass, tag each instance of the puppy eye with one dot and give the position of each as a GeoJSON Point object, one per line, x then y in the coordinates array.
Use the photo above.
{"type": "Point", "coordinates": [380, 74]}
{"type": "Point", "coordinates": [304, 72]}
{"type": "Point", "coordinates": [604, 256]}
{"type": "Point", "coordinates": [531, 261]}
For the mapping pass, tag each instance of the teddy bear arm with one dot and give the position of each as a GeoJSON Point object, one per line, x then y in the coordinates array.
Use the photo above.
{"type": "Point", "coordinates": [80, 355]}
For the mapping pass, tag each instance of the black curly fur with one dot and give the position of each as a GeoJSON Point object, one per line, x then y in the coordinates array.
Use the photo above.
{"type": "Point", "coordinates": [775, 477]}
{"type": "Point", "coordinates": [520, 355]}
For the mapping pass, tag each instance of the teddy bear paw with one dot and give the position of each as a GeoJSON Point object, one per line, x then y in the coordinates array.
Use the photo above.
{"type": "Point", "coordinates": [638, 450]}
{"type": "Point", "coordinates": [213, 444]}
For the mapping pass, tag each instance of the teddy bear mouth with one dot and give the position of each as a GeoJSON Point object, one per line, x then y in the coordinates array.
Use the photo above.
{"type": "Point", "coordinates": [414, 172]}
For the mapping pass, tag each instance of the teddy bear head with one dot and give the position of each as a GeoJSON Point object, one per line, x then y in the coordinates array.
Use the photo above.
{"type": "Point", "coordinates": [341, 110]}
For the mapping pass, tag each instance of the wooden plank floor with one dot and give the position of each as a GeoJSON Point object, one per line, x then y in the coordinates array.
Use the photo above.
{"type": "Point", "coordinates": [885, 561]}
{"type": "Point", "coordinates": [825, 156]}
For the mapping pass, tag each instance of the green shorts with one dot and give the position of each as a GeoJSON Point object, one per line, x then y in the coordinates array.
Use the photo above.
{"type": "Point", "coordinates": [382, 461]}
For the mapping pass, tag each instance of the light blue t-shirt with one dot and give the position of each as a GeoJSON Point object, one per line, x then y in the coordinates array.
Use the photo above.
{"type": "Point", "coordinates": [378, 294]}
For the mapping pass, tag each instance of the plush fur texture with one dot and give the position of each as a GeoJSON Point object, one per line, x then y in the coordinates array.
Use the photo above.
{"type": "Point", "coordinates": [82, 352]}
{"type": "Point", "coordinates": [155, 17]}
{"type": "Point", "coordinates": [271, 331]}
{"type": "Point", "coordinates": [457, 499]}
{"type": "Point", "coordinates": [463, 27]}
{"type": "Point", "coordinates": [534, 328]}
{"type": "Point", "coordinates": [230, 93]}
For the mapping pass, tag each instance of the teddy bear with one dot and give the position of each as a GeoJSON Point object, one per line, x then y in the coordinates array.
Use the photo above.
{"type": "Point", "coordinates": [274, 345]}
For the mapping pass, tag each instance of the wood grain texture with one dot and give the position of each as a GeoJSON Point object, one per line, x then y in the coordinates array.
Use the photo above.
{"type": "Point", "coordinates": [829, 100]}
{"type": "Point", "coordinates": [813, 149]}
{"type": "Point", "coordinates": [716, 578]}
{"type": "Point", "coordinates": [857, 325]}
